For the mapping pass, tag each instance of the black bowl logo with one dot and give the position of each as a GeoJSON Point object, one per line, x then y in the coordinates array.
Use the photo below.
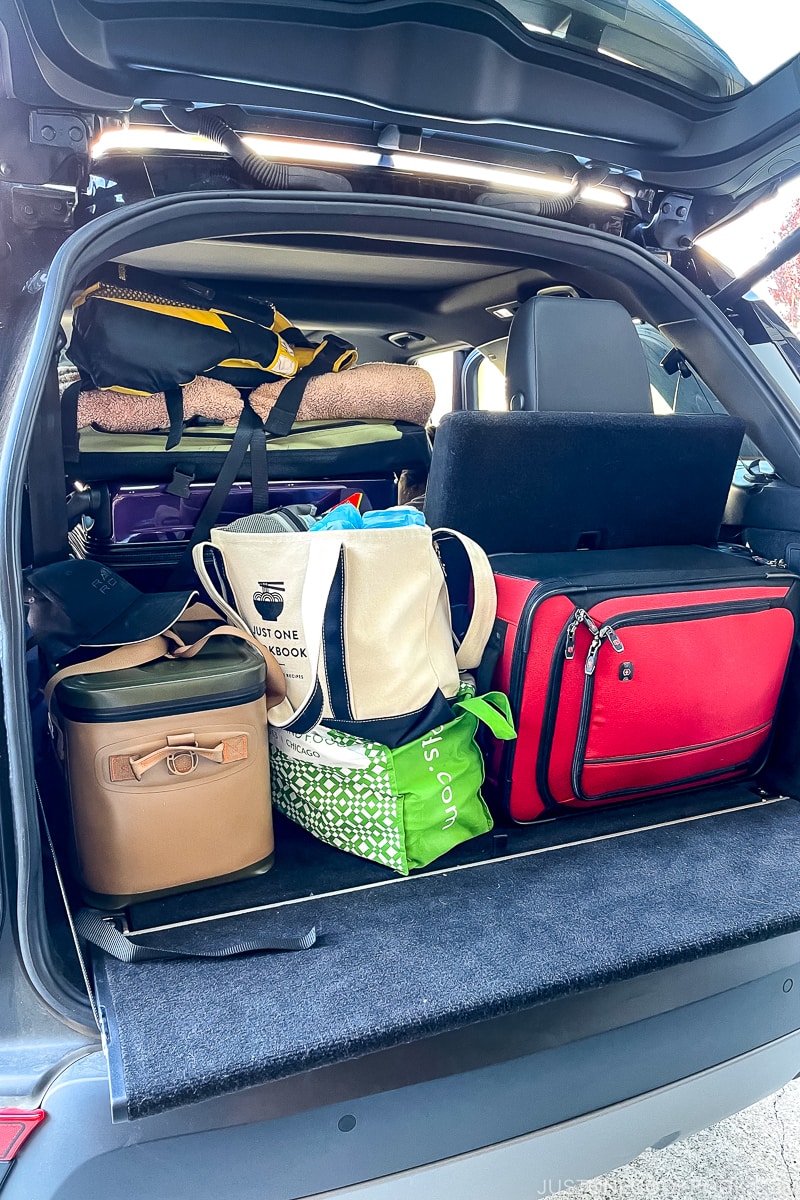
{"type": "Point", "coordinates": [269, 601]}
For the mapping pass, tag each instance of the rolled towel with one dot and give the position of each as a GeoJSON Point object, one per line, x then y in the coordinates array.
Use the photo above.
{"type": "Point", "coordinates": [117, 412]}
{"type": "Point", "coordinates": [377, 391]}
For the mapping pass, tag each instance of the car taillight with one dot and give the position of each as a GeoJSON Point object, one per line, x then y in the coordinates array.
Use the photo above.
{"type": "Point", "coordinates": [16, 1126]}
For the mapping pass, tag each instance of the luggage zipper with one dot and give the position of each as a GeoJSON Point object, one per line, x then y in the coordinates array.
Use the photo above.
{"type": "Point", "coordinates": [519, 656]}
{"type": "Point", "coordinates": [605, 634]}
{"type": "Point", "coordinates": [608, 633]}
{"type": "Point", "coordinates": [567, 637]}
{"type": "Point", "coordinates": [579, 617]}
{"type": "Point", "coordinates": [522, 641]}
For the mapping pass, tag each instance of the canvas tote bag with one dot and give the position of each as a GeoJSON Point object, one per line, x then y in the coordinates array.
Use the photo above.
{"type": "Point", "coordinates": [360, 621]}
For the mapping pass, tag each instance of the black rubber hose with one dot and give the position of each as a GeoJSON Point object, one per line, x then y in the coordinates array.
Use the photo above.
{"type": "Point", "coordinates": [556, 206]}
{"type": "Point", "coordinates": [538, 206]}
{"type": "Point", "coordinates": [271, 175]}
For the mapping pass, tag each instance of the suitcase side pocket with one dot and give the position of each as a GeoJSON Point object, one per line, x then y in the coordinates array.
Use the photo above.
{"type": "Point", "coordinates": [679, 697]}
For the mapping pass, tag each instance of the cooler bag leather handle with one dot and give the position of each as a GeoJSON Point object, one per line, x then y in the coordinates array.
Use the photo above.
{"type": "Point", "coordinates": [181, 754]}
{"type": "Point", "coordinates": [199, 612]}
{"type": "Point", "coordinates": [484, 604]}
{"type": "Point", "coordinates": [276, 680]}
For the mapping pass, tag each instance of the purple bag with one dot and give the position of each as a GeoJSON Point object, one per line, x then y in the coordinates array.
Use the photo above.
{"type": "Point", "coordinates": [150, 514]}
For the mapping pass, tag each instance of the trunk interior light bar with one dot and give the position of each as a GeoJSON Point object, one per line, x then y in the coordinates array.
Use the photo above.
{"type": "Point", "coordinates": [142, 138]}
{"type": "Point", "coordinates": [514, 180]}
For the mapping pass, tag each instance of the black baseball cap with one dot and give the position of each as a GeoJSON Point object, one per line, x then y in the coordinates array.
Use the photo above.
{"type": "Point", "coordinates": [82, 603]}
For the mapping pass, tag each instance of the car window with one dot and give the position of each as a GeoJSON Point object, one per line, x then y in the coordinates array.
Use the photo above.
{"type": "Point", "coordinates": [491, 387]}
{"type": "Point", "coordinates": [440, 365]}
{"type": "Point", "coordinates": [674, 387]}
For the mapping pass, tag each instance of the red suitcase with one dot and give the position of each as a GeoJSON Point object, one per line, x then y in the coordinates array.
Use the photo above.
{"type": "Point", "coordinates": [634, 673]}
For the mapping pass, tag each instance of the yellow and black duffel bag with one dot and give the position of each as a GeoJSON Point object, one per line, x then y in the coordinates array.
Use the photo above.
{"type": "Point", "coordinates": [141, 333]}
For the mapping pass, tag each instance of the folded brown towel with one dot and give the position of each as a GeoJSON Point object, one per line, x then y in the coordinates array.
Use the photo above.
{"type": "Point", "coordinates": [378, 391]}
{"type": "Point", "coordinates": [117, 412]}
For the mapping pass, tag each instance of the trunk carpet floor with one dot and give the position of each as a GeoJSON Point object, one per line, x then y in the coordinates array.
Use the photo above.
{"type": "Point", "coordinates": [439, 951]}
{"type": "Point", "coordinates": [305, 866]}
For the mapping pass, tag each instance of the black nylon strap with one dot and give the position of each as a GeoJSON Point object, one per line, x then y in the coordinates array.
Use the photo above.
{"type": "Point", "coordinates": [46, 478]}
{"type": "Point", "coordinates": [259, 470]}
{"type": "Point", "coordinates": [484, 676]}
{"type": "Point", "coordinates": [174, 399]}
{"type": "Point", "coordinates": [100, 929]}
{"type": "Point", "coordinates": [252, 433]}
{"type": "Point", "coordinates": [69, 420]}
{"type": "Point", "coordinates": [248, 423]}
{"type": "Point", "coordinates": [283, 414]}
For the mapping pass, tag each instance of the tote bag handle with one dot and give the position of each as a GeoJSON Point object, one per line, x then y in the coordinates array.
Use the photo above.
{"type": "Point", "coordinates": [492, 710]}
{"type": "Point", "coordinates": [324, 554]}
{"type": "Point", "coordinates": [484, 605]}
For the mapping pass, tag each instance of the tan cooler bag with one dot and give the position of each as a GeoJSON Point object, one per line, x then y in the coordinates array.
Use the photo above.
{"type": "Point", "coordinates": [164, 748]}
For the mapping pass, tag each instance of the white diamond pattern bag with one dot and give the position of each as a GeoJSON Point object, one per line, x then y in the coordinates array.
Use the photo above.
{"type": "Point", "coordinates": [360, 621]}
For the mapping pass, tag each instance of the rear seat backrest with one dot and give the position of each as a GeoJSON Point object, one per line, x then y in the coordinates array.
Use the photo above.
{"type": "Point", "coordinates": [567, 355]}
{"type": "Point", "coordinates": [524, 482]}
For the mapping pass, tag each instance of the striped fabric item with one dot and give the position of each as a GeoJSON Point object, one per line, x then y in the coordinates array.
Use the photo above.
{"type": "Point", "coordinates": [295, 518]}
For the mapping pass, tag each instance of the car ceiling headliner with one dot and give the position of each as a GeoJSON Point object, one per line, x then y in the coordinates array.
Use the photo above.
{"type": "Point", "coordinates": [366, 288]}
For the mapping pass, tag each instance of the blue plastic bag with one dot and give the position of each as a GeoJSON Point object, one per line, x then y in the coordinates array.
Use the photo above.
{"type": "Point", "coordinates": [347, 516]}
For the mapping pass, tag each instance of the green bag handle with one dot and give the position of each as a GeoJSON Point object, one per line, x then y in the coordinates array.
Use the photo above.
{"type": "Point", "coordinates": [494, 711]}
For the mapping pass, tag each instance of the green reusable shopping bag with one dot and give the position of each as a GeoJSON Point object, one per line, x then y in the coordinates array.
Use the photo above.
{"type": "Point", "coordinates": [404, 807]}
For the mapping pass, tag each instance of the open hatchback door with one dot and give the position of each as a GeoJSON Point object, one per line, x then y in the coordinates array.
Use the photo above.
{"type": "Point", "coordinates": [631, 85]}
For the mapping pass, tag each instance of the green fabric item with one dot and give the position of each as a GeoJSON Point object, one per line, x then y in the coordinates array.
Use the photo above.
{"type": "Point", "coordinates": [305, 435]}
{"type": "Point", "coordinates": [403, 808]}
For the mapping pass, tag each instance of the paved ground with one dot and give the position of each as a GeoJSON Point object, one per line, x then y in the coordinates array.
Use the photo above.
{"type": "Point", "coordinates": [752, 1156]}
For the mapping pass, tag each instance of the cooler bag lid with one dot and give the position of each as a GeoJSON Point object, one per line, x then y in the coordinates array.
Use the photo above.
{"type": "Point", "coordinates": [226, 672]}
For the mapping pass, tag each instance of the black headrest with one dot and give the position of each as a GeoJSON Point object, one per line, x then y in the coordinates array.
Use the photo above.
{"type": "Point", "coordinates": [568, 355]}
{"type": "Point", "coordinates": [527, 482]}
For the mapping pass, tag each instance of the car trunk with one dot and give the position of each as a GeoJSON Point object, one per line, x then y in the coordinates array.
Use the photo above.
{"type": "Point", "coordinates": [516, 918]}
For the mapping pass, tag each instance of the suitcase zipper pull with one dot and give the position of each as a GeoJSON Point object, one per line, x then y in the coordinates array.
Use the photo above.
{"type": "Point", "coordinates": [579, 617]}
{"type": "Point", "coordinates": [602, 635]}
{"type": "Point", "coordinates": [612, 637]}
